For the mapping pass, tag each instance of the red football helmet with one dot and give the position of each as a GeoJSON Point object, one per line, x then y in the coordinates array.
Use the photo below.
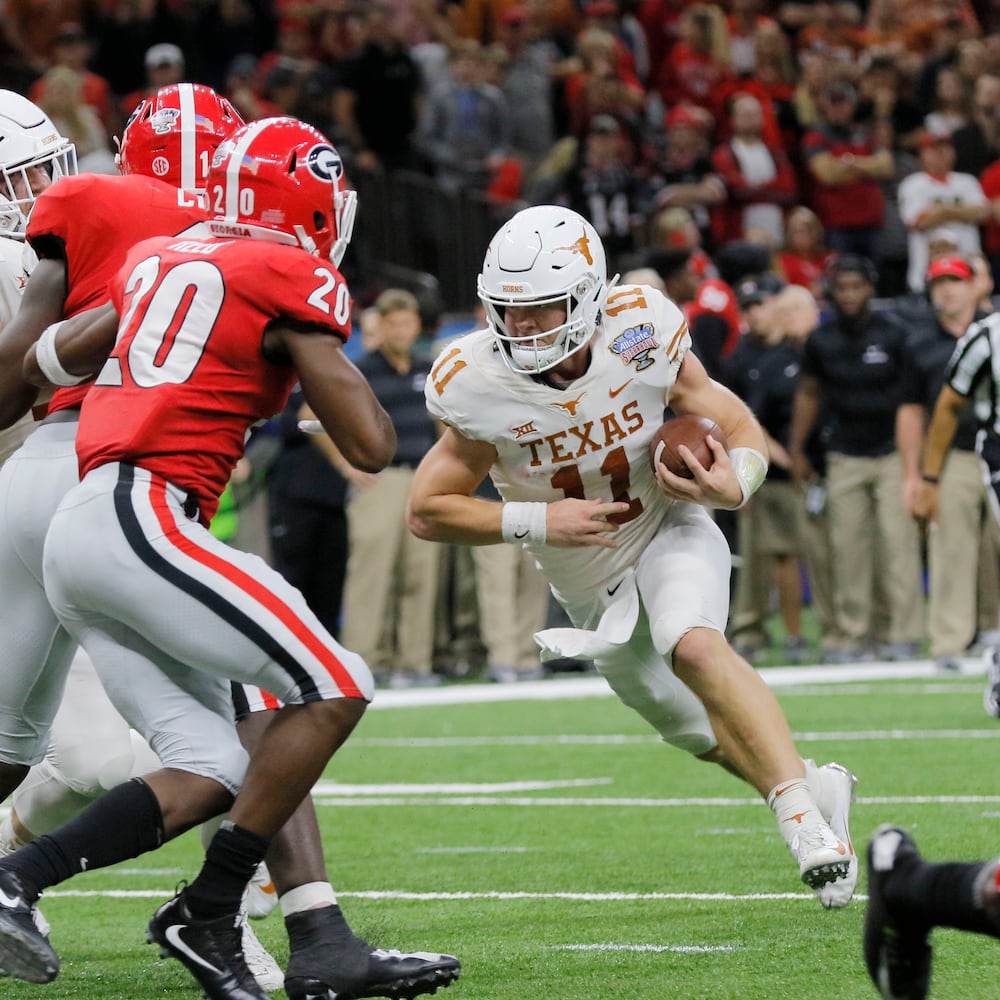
{"type": "Point", "coordinates": [174, 134]}
{"type": "Point", "coordinates": [280, 179]}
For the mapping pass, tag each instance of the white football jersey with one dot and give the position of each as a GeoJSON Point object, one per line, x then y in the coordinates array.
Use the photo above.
{"type": "Point", "coordinates": [17, 260]}
{"type": "Point", "coordinates": [589, 440]}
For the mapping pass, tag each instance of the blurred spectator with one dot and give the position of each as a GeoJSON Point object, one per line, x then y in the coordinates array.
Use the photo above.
{"type": "Point", "coordinates": [125, 30]}
{"type": "Point", "coordinates": [743, 23]}
{"type": "Point", "coordinates": [845, 165]}
{"type": "Point", "coordinates": [990, 183]}
{"type": "Point", "coordinates": [72, 48]}
{"type": "Point", "coordinates": [165, 65]}
{"type": "Point", "coordinates": [601, 186]}
{"type": "Point", "coordinates": [816, 76]}
{"type": "Point", "coordinates": [882, 98]}
{"type": "Point", "coordinates": [391, 581]}
{"type": "Point", "coordinates": [834, 30]}
{"type": "Point", "coordinates": [30, 26]}
{"type": "Point", "coordinates": [759, 180]}
{"type": "Point", "coordinates": [464, 130]}
{"type": "Point", "coordinates": [527, 84]}
{"type": "Point", "coordinates": [804, 255]}
{"type": "Point", "coordinates": [953, 548]}
{"type": "Point", "coordinates": [893, 244]}
{"type": "Point", "coordinates": [952, 102]}
{"type": "Point", "coordinates": [682, 175]}
{"type": "Point", "coordinates": [241, 89]}
{"type": "Point", "coordinates": [674, 229]}
{"type": "Point", "coordinates": [769, 539]}
{"type": "Point", "coordinates": [852, 364]}
{"type": "Point", "coordinates": [977, 144]}
{"type": "Point", "coordinates": [938, 196]}
{"type": "Point", "coordinates": [376, 104]}
{"type": "Point", "coordinates": [603, 85]}
{"type": "Point", "coordinates": [228, 28]}
{"type": "Point", "coordinates": [61, 98]}
{"type": "Point", "coordinates": [793, 315]}
{"type": "Point", "coordinates": [700, 62]}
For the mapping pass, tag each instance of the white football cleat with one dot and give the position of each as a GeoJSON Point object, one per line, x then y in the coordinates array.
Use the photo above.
{"type": "Point", "coordinates": [264, 968]}
{"type": "Point", "coordinates": [839, 892]}
{"type": "Point", "coordinates": [261, 896]}
{"type": "Point", "coordinates": [823, 860]}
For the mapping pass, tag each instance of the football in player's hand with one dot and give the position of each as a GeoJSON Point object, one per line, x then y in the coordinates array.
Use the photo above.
{"type": "Point", "coordinates": [691, 431]}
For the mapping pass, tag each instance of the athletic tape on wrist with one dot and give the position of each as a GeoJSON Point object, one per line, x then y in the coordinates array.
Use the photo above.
{"type": "Point", "coordinates": [524, 522]}
{"type": "Point", "coordinates": [751, 470]}
{"type": "Point", "coordinates": [48, 359]}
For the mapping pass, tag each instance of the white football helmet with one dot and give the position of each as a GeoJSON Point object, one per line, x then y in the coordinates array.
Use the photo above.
{"type": "Point", "coordinates": [28, 139]}
{"type": "Point", "coordinates": [544, 255]}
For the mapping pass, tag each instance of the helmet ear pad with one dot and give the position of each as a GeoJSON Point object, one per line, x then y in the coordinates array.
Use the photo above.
{"type": "Point", "coordinates": [544, 255]}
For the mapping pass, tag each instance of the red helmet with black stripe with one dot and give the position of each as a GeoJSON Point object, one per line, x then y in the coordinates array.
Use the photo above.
{"type": "Point", "coordinates": [174, 134]}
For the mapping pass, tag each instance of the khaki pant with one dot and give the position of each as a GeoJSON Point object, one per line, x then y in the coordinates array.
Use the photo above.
{"type": "Point", "coordinates": [513, 604]}
{"type": "Point", "coordinates": [875, 545]}
{"type": "Point", "coordinates": [953, 553]}
{"type": "Point", "coordinates": [391, 584]}
{"type": "Point", "coordinates": [771, 524]}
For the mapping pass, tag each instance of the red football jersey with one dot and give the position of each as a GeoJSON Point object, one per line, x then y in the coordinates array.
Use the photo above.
{"type": "Point", "coordinates": [187, 377]}
{"type": "Point", "coordinates": [98, 218]}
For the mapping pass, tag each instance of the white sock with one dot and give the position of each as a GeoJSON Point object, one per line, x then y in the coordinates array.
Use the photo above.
{"type": "Point", "coordinates": [307, 897]}
{"type": "Point", "coordinates": [792, 803]}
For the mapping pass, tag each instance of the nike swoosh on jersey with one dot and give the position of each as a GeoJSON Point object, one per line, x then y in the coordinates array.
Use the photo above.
{"type": "Point", "coordinates": [614, 590]}
{"type": "Point", "coordinates": [614, 392]}
{"type": "Point", "coordinates": [173, 935]}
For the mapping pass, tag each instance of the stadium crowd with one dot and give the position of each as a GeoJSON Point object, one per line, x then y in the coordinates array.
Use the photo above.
{"type": "Point", "coordinates": [725, 153]}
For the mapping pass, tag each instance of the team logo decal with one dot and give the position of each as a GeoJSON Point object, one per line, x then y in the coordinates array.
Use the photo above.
{"type": "Point", "coordinates": [581, 246]}
{"type": "Point", "coordinates": [634, 344]}
{"type": "Point", "coordinates": [523, 430]}
{"type": "Point", "coordinates": [324, 162]}
{"type": "Point", "coordinates": [570, 405]}
{"type": "Point", "coordinates": [160, 165]}
{"type": "Point", "coordinates": [162, 121]}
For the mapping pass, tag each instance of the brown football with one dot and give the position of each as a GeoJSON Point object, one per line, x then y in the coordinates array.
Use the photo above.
{"type": "Point", "coordinates": [689, 430]}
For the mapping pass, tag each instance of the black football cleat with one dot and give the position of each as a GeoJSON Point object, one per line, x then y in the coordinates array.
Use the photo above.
{"type": "Point", "coordinates": [212, 950]}
{"type": "Point", "coordinates": [353, 970]}
{"type": "Point", "coordinates": [897, 954]}
{"type": "Point", "coordinates": [25, 952]}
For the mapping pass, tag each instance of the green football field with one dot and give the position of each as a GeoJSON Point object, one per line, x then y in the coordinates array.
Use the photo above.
{"type": "Point", "coordinates": [563, 853]}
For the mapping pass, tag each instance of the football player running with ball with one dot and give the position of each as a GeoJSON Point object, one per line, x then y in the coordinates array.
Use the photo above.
{"type": "Point", "coordinates": [214, 332]}
{"type": "Point", "coordinates": [557, 400]}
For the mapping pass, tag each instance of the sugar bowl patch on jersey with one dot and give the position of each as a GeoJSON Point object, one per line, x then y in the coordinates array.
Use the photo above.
{"type": "Point", "coordinates": [637, 338]}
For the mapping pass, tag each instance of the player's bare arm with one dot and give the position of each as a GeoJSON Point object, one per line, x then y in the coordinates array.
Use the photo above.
{"type": "Point", "coordinates": [719, 486]}
{"type": "Point", "coordinates": [81, 345]}
{"type": "Point", "coordinates": [939, 437]}
{"type": "Point", "coordinates": [442, 507]}
{"type": "Point", "coordinates": [41, 305]}
{"type": "Point", "coordinates": [804, 412]}
{"type": "Point", "coordinates": [340, 396]}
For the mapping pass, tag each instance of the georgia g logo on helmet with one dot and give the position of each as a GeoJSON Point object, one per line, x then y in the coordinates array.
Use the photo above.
{"type": "Point", "coordinates": [325, 163]}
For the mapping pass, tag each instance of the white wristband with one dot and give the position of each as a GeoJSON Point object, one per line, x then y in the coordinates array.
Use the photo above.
{"type": "Point", "coordinates": [48, 359]}
{"type": "Point", "coordinates": [751, 470]}
{"type": "Point", "coordinates": [524, 522]}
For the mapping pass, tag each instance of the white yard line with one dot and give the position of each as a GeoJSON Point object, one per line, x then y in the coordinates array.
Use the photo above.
{"type": "Point", "coordinates": [640, 803]}
{"type": "Point", "coordinates": [591, 686]}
